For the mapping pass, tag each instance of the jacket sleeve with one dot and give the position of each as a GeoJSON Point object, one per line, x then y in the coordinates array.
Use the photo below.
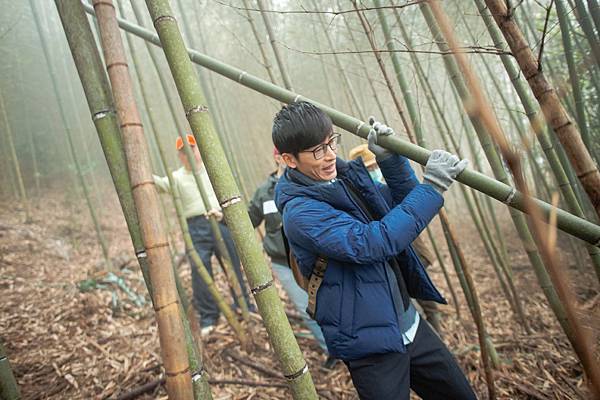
{"type": "Point", "coordinates": [399, 176]}
{"type": "Point", "coordinates": [162, 183]}
{"type": "Point", "coordinates": [255, 210]}
{"type": "Point", "coordinates": [322, 229]}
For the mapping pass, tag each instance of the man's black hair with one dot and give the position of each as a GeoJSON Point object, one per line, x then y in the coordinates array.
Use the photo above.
{"type": "Point", "coordinates": [298, 126]}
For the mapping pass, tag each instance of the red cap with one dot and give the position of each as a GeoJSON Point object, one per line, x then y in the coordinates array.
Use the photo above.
{"type": "Point", "coordinates": [179, 142]}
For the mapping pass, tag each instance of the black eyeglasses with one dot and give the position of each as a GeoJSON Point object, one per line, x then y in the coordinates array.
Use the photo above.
{"type": "Point", "coordinates": [320, 151]}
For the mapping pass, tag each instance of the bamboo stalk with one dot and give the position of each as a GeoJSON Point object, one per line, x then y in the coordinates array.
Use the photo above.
{"type": "Point", "coordinates": [9, 389]}
{"type": "Point", "coordinates": [555, 114]}
{"type": "Point", "coordinates": [287, 82]}
{"type": "Point", "coordinates": [533, 116]}
{"type": "Point", "coordinates": [171, 329]}
{"type": "Point", "coordinates": [500, 191]}
{"type": "Point", "coordinates": [588, 29]}
{"type": "Point", "coordinates": [479, 107]}
{"type": "Point", "coordinates": [579, 102]}
{"type": "Point", "coordinates": [440, 259]}
{"type": "Point", "coordinates": [222, 251]}
{"type": "Point", "coordinates": [259, 42]}
{"type": "Point", "coordinates": [236, 216]}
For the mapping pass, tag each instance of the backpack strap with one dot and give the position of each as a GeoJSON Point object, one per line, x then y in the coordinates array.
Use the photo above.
{"type": "Point", "coordinates": [314, 283]}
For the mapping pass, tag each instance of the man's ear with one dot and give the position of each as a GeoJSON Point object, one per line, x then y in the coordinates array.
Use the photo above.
{"type": "Point", "coordinates": [289, 160]}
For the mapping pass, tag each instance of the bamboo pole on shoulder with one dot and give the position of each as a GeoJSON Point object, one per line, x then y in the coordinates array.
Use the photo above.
{"type": "Point", "coordinates": [9, 389]}
{"type": "Point", "coordinates": [556, 116]}
{"type": "Point", "coordinates": [491, 187]}
{"type": "Point", "coordinates": [171, 330]}
{"type": "Point", "coordinates": [479, 108]}
{"type": "Point", "coordinates": [15, 160]}
{"type": "Point", "coordinates": [259, 276]}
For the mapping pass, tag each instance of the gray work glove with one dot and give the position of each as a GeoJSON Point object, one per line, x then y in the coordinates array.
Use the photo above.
{"type": "Point", "coordinates": [442, 168]}
{"type": "Point", "coordinates": [377, 130]}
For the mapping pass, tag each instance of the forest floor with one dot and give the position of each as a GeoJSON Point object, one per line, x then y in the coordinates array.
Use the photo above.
{"type": "Point", "coordinates": [67, 338]}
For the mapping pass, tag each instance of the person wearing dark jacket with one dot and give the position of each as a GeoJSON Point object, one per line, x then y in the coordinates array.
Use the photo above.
{"type": "Point", "coordinates": [333, 210]}
{"type": "Point", "coordinates": [262, 208]}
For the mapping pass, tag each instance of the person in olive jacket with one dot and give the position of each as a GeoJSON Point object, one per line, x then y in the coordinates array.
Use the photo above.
{"type": "Point", "coordinates": [262, 208]}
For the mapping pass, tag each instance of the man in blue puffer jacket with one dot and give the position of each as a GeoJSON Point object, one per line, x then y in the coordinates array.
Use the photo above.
{"type": "Point", "coordinates": [333, 209]}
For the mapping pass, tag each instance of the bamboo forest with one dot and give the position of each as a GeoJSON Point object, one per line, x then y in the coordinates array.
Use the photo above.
{"type": "Point", "coordinates": [165, 231]}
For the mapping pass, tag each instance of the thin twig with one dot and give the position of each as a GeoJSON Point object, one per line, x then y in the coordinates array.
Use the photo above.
{"type": "Point", "coordinates": [539, 60]}
{"type": "Point", "coordinates": [332, 12]}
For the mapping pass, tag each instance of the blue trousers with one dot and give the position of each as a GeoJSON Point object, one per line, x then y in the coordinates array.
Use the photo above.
{"type": "Point", "coordinates": [300, 299]}
{"type": "Point", "coordinates": [205, 246]}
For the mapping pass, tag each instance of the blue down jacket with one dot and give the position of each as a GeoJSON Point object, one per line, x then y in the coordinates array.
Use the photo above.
{"type": "Point", "coordinates": [359, 305]}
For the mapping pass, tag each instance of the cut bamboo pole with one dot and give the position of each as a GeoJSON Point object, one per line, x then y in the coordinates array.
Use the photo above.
{"type": "Point", "coordinates": [478, 107]}
{"type": "Point", "coordinates": [556, 116]}
{"type": "Point", "coordinates": [503, 192]}
{"type": "Point", "coordinates": [259, 276]}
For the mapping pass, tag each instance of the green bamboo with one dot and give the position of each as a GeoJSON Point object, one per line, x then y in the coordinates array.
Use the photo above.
{"type": "Point", "coordinates": [355, 104]}
{"type": "Point", "coordinates": [99, 98]}
{"type": "Point", "coordinates": [594, 8]}
{"type": "Point", "coordinates": [508, 290]}
{"type": "Point", "coordinates": [588, 29]}
{"type": "Point", "coordinates": [500, 191]}
{"type": "Point", "coordinates": [580, 105]}
{"type": "Point", "coordinates": [414, 131]}
{"type": "Point", "coordinates": [30, 135]}
{"type": "Point", "coordinates": [564, 183]}
{"type": "Point", "coordinates": [9, 389]}
{"type": "Point", "coordinates": [236, 216]}
{"type": "Point", "coordinates": [15, 160]}
{"type": "Point", "coordinates": [72, 151]}
{"type": "Point", "coordinates": [259, 42]}
{"type": "Point", "coordinates": [222, 251]}
{"type": "Point", "coordinates": [498, 170]}
{"type": "Point", "coordinates": [440, 259]}
{"type": "Point", "coordinates": [287, 82]}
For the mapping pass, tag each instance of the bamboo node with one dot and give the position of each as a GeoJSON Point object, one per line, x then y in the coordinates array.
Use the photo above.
{"type": "Point", "coordinates": [159, 244]}
{"type": "Point", "coordinates": [231, 201]}
{"type": "Point", "coordinates": [101, 114]}
{"type": "Point", "coordinates": [183, 371]}
{"type": "Point", "coordinates": [198, 374]}
{"type": "Point", "coordinates": [358, 127]}
{"type": "Point", "coordinates": [241, 76]}
{"type": "Point", "coordinates": [510, 196]}
{"type": "Point", "coordinates": [161, 18]}
{"type": "Point", "coordinates": [261, 288]}
{"type": "Point", "coordinates": [141, 254]}
{"type": "Point", "coordinates": [298, 374]}
{"type": "Point", "coordinates": [158, 309]}
{"type": "Point", "coordinates": [195, 109]}
{"type": "Point", "coordinates": [297, 98]}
